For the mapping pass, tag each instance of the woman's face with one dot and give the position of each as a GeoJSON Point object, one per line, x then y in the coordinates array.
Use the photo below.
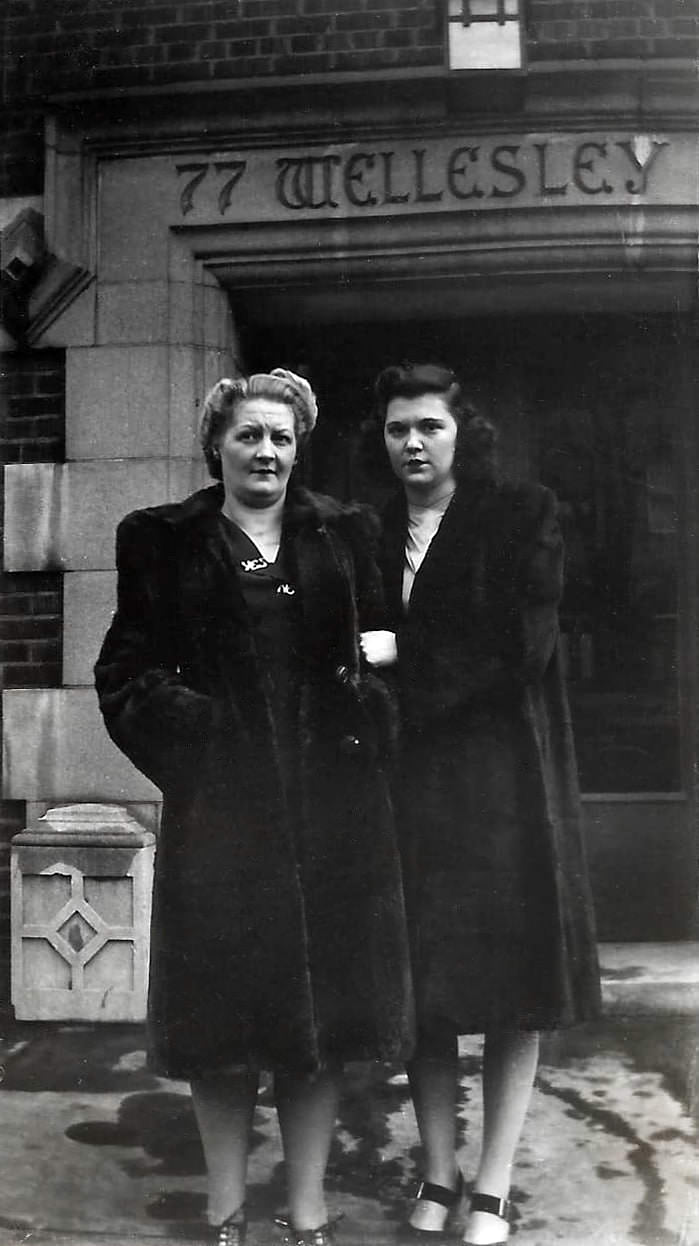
{"type": "Point", "coordinates": [420, 436]}
{"type": "Point", "coordinates": [257, 451]}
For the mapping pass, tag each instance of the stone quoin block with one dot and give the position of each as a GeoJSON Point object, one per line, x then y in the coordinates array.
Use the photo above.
{"type": "Point", "coordinates": [191, 374]}
{"type": "Point", "coordinates": [133, 245]}
{"type": "Point", "coordinates": [64, 515]}
{"type": "Point", "coordinates": [132, 312]}
{"type": "Point", "coordinates": [89, 600]}
{"type": "Point", "coordinates": [116, 401]}
{"type": "Point", "coordinates": [56, 748]}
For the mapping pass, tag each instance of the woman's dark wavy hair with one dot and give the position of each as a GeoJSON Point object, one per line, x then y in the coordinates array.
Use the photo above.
{"type": "Point", "coordinates": [476, 437]}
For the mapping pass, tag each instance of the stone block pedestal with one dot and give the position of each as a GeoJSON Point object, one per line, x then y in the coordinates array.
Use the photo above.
{"type": "Point", "coordinates": [81, 883]}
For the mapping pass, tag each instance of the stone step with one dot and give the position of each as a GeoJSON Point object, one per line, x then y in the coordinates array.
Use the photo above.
{"type": "Point", "coordinates": [640, 979]}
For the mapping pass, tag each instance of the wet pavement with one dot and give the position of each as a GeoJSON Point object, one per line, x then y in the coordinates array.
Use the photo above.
{"type": "Point", "coordinates": [94, 1149]}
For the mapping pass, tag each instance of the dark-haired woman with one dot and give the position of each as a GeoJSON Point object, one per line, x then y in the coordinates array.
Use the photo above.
{"type": "Point", "coordinates": [498, 899]}
{"type": "Point", "coordinates": [231, 677]}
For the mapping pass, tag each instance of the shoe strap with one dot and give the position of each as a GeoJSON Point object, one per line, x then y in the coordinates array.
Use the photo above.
{"type": "Point", "coordinates": [439, 1193]}
{"type": "Point", "coordinates": [494, 1206]}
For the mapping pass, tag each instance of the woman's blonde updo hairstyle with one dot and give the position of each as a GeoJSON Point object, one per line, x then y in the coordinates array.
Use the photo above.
{"type": "Point", "coordinates": [224, 398]}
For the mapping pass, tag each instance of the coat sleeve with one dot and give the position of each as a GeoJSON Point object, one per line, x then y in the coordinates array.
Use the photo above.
{"type": "Point", "coordinates": [509, 644]}
{"type": "Point", "coordinates": [377, 694]}
{"type": "Point", "coordinates": [539, 587]}
{"type": "Point", "coordinates": [362, 530]}
{"type": "Point", "coordinates": [151, 715]}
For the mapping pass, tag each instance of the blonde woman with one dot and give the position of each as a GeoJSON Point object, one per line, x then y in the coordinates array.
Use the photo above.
{"type": "Point", "coordinates": [231, 675]}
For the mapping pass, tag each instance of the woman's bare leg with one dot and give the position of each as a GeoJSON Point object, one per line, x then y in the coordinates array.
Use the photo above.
{"type": "Point", "coordinates": [510, 1061]}
{"type": "Point", "coordinates": [224, 1107]}
{"type": "Point", "coordinates": [307, 1111]}
{"type": "Point", "coordinates": [433, 1075]}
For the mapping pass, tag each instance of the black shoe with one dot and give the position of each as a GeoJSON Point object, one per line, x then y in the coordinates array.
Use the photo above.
{"type": "Point", "coordinates": [322, 1236]}
{"type": "Point", "coordinates": [232, 1232]}
{"type": "Point", "coordinates": [442, 1195]}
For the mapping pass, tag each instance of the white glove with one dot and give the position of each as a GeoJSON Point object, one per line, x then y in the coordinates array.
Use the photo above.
{"type": "Point", "coordinates": [379, 648]}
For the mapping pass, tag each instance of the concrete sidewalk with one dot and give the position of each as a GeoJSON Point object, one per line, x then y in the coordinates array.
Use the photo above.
{"type": "Point", "coordinates": [96, 1151]}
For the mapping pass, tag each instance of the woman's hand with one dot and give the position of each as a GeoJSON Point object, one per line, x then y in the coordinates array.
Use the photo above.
{"type": "Point", "coordinates": [379, 648]}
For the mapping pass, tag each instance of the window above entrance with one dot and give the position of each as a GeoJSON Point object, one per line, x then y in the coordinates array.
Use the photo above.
{"type": "Point", "coordinates": [484, 34]}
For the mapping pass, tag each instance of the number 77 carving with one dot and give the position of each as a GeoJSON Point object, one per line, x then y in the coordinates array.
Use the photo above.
{"type": "Point", "coordinates": [187, 194]}
{"type": "Point", "coordinates": [235, 167]}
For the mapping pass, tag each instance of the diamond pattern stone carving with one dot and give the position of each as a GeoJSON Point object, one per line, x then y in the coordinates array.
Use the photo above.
{"type": "Point", "coordinates": [77, 932]}
{"type": "Point", "coordinates": [75, 958]}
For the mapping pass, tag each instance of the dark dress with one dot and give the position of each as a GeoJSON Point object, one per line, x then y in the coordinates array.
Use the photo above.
{"type": "Point", "coordinates": [272, 602]}
{"type": "Point", "coordinates": [499, 903]}
{"type": "Point", "coordinates": [278, 935]}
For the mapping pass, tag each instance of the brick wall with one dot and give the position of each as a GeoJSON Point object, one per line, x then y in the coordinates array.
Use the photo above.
{"type": "Point", "coordinates": [32, 402]}
{"type": "Point", "coordinates": [22, 152]}
{"type": "Point", "coordinates": [32, 389]}
{"type": "Point", "coordinates": [54, 45]}
{"type": "Point", "coordinates": [616, 29]}
{"type": "Point", "coordinates": [32, 398]}
{"type": "Point", "coordinates": [76, 45]}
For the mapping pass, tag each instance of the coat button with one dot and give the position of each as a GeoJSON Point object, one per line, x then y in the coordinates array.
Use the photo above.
{"type": "Point", "coordinates": [349, 744]}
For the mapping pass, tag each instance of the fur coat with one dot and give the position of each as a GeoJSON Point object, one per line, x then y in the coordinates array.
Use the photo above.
{"type": "Point", "coordinates": [278, 935]}
{"type": "Point", "coordinates": [499, 902]}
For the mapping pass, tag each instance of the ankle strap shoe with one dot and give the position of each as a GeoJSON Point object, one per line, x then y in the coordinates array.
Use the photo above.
{"type": "Point", "coordinates": [440, 1193]}
{"type": "Point", "coordinates": [444, 1197]}
{"type": "Point", "coordinates": [324, 1235]}
{"type": "Point", "coordinates": [499, 1207]}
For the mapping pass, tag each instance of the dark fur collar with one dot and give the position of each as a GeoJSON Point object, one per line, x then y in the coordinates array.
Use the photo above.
{"type": "Point", "coordinates": [302, 509]}
{"type": "Point", "coordinates": [467, 504]}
